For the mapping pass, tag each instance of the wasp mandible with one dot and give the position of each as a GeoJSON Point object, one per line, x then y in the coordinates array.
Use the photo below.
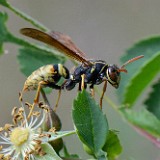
{"type": "Point", "coordinates": [92, 72]}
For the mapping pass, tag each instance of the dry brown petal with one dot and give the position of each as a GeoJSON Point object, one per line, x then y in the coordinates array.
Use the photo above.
{"type": "Point", "coordinates": [1, 147]}
{"type": "Point", "coordinates": [44, 135]}
{"type": "Point", "coordinates": [17, 117]}
{"type": "Point", "coordinates": [53, 130]}
{"type": "Point", "coordinates": [1, 156]}
{"type": "Point", "coordinates": [14, 110]}
{"type": "Point", "coordinates": [1, 129]}
{"type": "Point", "coordinates": [21, 110]}
{"type": "Point", "coordinates": [36, 113]}
{"type": "Point", "coordinates": [8, 126]}
{"type": "Point", "coordinates": [28, 105]}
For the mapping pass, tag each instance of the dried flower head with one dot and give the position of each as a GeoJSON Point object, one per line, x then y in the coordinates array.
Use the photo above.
{"type": "Point", "coordinates": [23, 138]}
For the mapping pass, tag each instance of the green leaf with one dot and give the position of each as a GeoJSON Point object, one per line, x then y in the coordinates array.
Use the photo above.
{"type": "Point", "coordinates": [4, 34]}
{"type": "Point", "coordinates": [3, 29]}
{"type": "Point", "coordinates": [4, 3]}
{"type": "Point", "coordinates": [153, 101]}
{"type": "Point", "coordinates": [50, 153]}
{"type": "Point", "coordinates": [90, 122]}
{"type": "Point", "coordinates": [31, 59]}
{"type": "Point", "coordinates": [143, 77]}
{"type": "Point", "coordinates": [112, 145]}
{"type": "Point", "coordinates": [133, 83]}
{"type": "Point", "coordinates": [1, 48]}
{"type": "Point", "coordinates": [143, 120]}
{"type": "Point", "coordinates": [60, 134]}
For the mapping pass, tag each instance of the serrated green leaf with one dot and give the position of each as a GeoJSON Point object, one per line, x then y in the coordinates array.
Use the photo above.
{"type": "Point", "coordinates": [31, 59]}
{"type": "Point", "coordinates": [140, 81]}
{"type": "Point", "coordinates": [148, 47]}
{"type": "Point", "coordinates": [143, 120]}
{"type": "Point", "coordinates": [112, 145]}
{"type": "Point", "coordinates": [50, 153]}
{"type": "Point", "coordinates": [90, 122]}
{"type": "Point", "coordinates": [153, 101]}
{"type": "Point", "coordinates": [4, 3]}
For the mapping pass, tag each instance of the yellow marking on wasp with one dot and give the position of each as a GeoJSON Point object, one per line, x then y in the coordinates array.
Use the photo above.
{"type": "Point", "coordinates": [61, 70]}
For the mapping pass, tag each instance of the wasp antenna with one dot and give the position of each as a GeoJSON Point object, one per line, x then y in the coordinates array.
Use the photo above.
{"type": "Point", "coordinates": [122, 70]}
{"type": "Point", "coordinates": [131, 60]}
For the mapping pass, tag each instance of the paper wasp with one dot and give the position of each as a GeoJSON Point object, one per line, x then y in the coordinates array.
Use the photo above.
{"type": "Point", "coordinates": [92, 72]}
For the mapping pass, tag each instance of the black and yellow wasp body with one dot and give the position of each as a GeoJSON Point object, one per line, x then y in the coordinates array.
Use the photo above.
{"type": "Point", "coordinates": [94, 75]}
{"type": "Point", "coordinates": [92, 72]}
{"type": "Point", "coordinates": [49, 75]}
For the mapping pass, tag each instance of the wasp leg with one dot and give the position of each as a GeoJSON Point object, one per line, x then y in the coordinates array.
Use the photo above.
{"type": "Point", "coordinates": [54, 86]}
{"type": "Point", "coordinates": [36, 99]}
{"type": "Point", "coordinates": [82, 81]}
{"type": "Point", "coordinates": [92, 90]}
{"type": "Point", "coordinates": [56, 106]}
{"type": "Point", "coordinates": [104, 90]}
{"type": "Point", "coordinates": [59, 94]}
{"type": "Point", "coordinates": [40, 84]}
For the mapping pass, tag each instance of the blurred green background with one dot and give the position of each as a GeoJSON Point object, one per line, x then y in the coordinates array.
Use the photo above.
{"type": "Point", "coordinates": [103, 29]}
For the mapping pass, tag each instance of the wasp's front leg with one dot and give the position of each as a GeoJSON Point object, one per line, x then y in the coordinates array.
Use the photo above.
{"type": "Point", "coordinates": [92, 90]}
{"type": "Point", "coordinates": [103, 91]}
{"type": "Point", "coordinates": [82, 81]}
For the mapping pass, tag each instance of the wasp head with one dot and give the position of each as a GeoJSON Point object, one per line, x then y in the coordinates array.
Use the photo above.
{"type": "Point", "coordinates": [113, 72]}
{"type": "Point", "coordinates": [113, 75]}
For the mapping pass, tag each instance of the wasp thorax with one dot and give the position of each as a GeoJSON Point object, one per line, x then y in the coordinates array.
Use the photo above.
{"type": "Point", "coordinates": [113, 75]}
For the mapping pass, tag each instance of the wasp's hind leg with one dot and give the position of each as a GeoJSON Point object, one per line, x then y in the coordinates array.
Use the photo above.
{"type": "Point", "coordinates": [57, 101]}
{"type": "Point", "coordinates": [36, 99]}
{"type": "Point", "coordinates": [59, 88]}
{"type": "Point", "coordinates": [103, 91]}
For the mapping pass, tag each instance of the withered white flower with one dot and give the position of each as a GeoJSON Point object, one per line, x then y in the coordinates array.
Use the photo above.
{"type": "Point", "coordinates": [23, 138]}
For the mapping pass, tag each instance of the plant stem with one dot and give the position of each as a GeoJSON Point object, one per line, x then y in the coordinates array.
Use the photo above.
{"type": "Point", "coordinates": [45, 97]}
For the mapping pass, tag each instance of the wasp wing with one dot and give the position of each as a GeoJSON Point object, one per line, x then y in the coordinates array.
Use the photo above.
{"type": "Point", "coordinates": [66, 41]}
{"type": "Point", "coordinates": [61, 42]}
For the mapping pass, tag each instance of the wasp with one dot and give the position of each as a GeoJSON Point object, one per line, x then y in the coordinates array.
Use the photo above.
{"type": "Point", "coordinates": [89, 72]}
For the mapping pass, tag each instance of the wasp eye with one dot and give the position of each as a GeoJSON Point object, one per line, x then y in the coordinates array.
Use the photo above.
{"type": "Point", "coordinates": [113, 75]}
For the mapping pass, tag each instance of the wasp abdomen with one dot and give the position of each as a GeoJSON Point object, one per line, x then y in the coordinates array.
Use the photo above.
{"type": "Point", "coordinates": [49, 74]}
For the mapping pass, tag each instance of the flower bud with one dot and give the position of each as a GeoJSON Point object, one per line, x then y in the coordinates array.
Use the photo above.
{"type": "Point", "coordinates": [51, 120]}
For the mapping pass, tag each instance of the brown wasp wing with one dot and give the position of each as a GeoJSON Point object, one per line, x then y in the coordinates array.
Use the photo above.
{"type": "Point", "coordinates": [61, 42]}
{"type": "Point", "coordinates": [66, 41]}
